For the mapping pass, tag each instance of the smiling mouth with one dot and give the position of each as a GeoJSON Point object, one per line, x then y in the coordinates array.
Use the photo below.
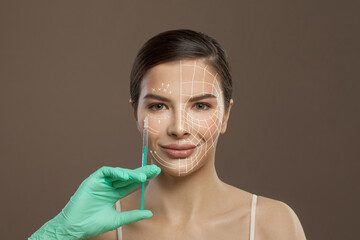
{"type": "Point", "coordinates": [179, 151]}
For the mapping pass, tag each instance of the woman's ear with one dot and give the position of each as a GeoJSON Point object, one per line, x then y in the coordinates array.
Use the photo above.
{"type": "Point", "coordinates": [226, 118]}
{"type": "Point", "coordinates": [134, 110]}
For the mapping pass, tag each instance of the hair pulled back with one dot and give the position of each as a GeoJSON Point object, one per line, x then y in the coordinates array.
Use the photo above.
{"type": "Point", "coordinates": [179, 45]}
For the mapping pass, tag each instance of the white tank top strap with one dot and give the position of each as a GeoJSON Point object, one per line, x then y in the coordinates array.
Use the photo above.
{"type": "Point", "coordinates": [118, 230]}
{"type": "Point", "coordinates": [252, 217]}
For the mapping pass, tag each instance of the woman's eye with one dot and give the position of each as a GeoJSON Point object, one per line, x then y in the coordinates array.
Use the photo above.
{"type": "Point", "coordinates": [201, 106]}
{"type": "Point", "coordinates": [157, 106]}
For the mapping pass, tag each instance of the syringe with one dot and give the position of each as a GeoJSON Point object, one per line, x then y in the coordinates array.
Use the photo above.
{"type": "Point", "coordinates": [144, 155]}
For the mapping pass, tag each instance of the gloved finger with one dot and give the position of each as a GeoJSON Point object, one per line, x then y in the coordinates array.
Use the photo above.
{"type": "Point", "coordinates": [142, 173]}
{"type": "Point", "coordinates": [112, 179]}
{"type": "Point", "coordinates": [154, 174]}
{"type": "Point", "coordinates": [133, 176]}
{"type": "Point", "coordinates": [127, 189]}
{"type": "Point", "coordinates": [125, 175]}
{"type": "Point", "coordinates": [122, 184]}
{"type": "Point", "coordinates": [136, 176]}
{"type": "Point", "coordinates": [151, 171]}
{"type": "Point", "coordinates": [127, 217]}
{"type": "Point", "coordinates": [118, 184]}
{"type": "Point", "coordinates": [111, 173]}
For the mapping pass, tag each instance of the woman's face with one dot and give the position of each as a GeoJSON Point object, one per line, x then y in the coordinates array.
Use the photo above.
{"type": "Point", "coordinates": [185, 107]}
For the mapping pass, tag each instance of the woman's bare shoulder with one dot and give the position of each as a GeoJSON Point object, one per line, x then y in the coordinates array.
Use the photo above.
{"type": "Point", "coordinates": [277, 220]}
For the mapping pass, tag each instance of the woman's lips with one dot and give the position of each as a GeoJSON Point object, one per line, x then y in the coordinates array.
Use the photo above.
{"type": "Point", "coordinates": [179, 151]}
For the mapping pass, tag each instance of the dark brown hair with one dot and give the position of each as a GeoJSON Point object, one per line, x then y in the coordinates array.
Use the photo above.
{"type": "Point", "coordinates": [178, 45]}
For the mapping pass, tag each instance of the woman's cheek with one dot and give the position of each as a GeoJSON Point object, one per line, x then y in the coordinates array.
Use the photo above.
{"type": "Point", "coordinates": [157, 123]}
{"type": "Point", "coordinates": [211, 128]}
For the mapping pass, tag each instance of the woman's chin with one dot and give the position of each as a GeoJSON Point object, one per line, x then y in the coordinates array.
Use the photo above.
{"type": "Point", "coordinates": [176, 172]}
{"type": "Point", "coordinates": [179, 168]}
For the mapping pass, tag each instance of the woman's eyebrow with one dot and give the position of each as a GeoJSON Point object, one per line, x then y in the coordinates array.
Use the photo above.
{"type": "Point", "coordinates": [157, 97]}
{"type": "Point", "coordinates": [201, 97]}
{"type": "Point", "coordinates": [192, 99]}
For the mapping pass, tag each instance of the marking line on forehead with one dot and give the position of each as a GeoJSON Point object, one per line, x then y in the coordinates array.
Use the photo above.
{"type": "Point", "coordinates": [203, 68]}
{"type": "Point", "coordinates": [192, 81]}
{"type": "Point", "coordinates": [203, 81]}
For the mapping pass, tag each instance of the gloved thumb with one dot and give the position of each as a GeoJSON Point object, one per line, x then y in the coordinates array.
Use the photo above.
{"type": "Point", "coordinates": [127, 217]}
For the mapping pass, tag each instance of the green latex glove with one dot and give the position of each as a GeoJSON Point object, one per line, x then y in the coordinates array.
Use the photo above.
{"type": "Point", "coordinates": [90, 211]}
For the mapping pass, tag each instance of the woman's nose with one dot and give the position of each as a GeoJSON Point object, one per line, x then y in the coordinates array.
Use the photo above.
{"type": "Point", "coordinates": [178, 124]}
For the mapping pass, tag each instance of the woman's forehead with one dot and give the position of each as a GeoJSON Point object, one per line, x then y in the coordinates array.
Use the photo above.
{"type": "Point", "coordinates": [190, 77]}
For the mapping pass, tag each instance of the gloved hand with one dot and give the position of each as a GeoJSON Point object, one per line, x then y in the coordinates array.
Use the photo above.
{"type": "Point", "coordinates": [90, 211]}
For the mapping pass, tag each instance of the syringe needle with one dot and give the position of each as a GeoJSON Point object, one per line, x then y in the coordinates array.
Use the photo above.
{"type": "Point", "coordinates": [143, 162]}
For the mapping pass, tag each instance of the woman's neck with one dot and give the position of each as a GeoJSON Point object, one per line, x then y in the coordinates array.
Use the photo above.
{"type": "Point", "coordinates": [185, 198]}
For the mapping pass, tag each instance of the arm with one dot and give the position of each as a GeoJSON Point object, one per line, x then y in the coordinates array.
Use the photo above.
{"type": "Point", "coordinates": [91, 211]}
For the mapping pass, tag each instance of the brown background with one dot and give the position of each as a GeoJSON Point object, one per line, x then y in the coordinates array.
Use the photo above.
{"type": "Point", "coordinates": [293, 131]}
